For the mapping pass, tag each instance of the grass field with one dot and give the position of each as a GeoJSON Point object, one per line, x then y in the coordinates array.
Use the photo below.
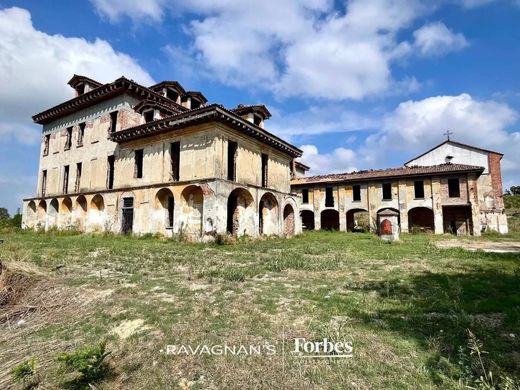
{"type": "Point", "coordinates": [407, 308]}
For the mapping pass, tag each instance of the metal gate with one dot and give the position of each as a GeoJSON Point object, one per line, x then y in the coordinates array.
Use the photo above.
{"type": "Point", "coordinates": [127, 215]}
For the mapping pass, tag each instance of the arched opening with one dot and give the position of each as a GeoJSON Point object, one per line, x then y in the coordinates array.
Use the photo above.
{"type": "Point", "coordinates": [268, 214]}
{"type": "Point", "coordinates": [307, 219]}
{"type": "Point", "coordinates": [358, 220]}
{"type": "Point", "coordinates": [240, 213]}
{"type": "Point", "coordinates": [329, 220]}
{"type": "Point", "coordinates": [192, 199]}
{"type": "Point", "coordinates": [96, 213]}
{"type": "Point", "coordinates": [288, 221]}
{"type": "Point", "coordinates": [52, 214]}
{"type": "Point", "coordinates": [80, 212]}
{"type": "Point", "coordinates": [164, 204]}
{"type": "Point", "coordinates": [66, 212]}
{"type": "Point", "coordinates": [457, 220]}
{"type": "Point", "coordinates": [420, 219]}
{"type": "Point", "coordinates": [31, 216]}
{"type": "Point", "coordinates": [42, 214]}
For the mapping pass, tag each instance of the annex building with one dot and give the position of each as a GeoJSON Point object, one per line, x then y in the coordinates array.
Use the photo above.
{"type": "Point", "coordinates": [122, 157]}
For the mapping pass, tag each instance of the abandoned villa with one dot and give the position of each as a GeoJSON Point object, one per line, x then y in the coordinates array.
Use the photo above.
{"type": "Point", "coordinates": [122, 157]}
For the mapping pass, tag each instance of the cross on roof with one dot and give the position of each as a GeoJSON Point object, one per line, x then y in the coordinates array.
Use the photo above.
{"type": "Point", "coordinates": [448, 133]}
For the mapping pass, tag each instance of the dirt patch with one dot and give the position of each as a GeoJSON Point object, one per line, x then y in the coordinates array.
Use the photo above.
{"type": "Point", "coordinates": [486, 246]}
{"type": "Point", "coordinates": [127, 328]}
{"type": "Point", "coordinates": [13, 285]}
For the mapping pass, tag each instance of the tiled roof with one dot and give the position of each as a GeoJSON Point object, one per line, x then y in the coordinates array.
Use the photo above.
{"type": "Point", "coordinates": [213, 112]}
{"type": "Point", "coordinates": [387, 173]}
{"type": "Point", "coordinates": [246, 108]}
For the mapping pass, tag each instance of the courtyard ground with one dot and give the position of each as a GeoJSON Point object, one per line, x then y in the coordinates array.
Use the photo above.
{"type": "Point", "coordinates": [408, 308]}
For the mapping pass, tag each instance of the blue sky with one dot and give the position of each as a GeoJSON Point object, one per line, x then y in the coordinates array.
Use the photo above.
{"type": "Point", "coordinates": [356, 84]}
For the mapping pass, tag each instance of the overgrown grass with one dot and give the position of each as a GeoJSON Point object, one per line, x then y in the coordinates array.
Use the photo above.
{"type": "Point", "coordinates": [407, 306]}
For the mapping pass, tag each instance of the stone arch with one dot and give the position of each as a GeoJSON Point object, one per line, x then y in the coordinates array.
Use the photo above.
{"type": "Point", "coordinates": [358, 220]}
{"type": "Point", "coordinates": [52, 213]}
{"type": "Point", "coordinates": [421, 219]}
{"type": "Point", "coordinates": [192, 199]}
{"type": "Point", "coordinates": [65, 212]}
{"type": "Point", "coordinates": [329, 219]}
{"type": "Point", "coordinates": [240, 213]}
{"type": "Point", "coordinates": [307, 217]}
{"type": "Point", "coordinates": [80, 212]}
{"type": "Point", "coordinates": [96, 213]}
{"type": "Point", "coordinates": [31, 214]}
{"type": "Point", "coordinates": [289, 221]}
{"type": "Point", "coordinates": [268, 214]}
{"type": "Point", "coordinates": [164, 206]}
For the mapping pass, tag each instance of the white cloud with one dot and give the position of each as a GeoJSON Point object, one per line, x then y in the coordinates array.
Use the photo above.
{"type": "Point", "coordinates": [339, 160]}
{"type": "Point", "coordinates": [137, 10]}
{"type": "Point", "coordinates": [435, 39]}
{"type": "Point", "coordinates": [474, 3]}
{"type": "Point", "coordinates": [35, 68]}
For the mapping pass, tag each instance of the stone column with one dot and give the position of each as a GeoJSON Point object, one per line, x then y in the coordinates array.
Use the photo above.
{"type": "Point", "coordinates": [475, 207]}
{"type": "Point", "coordinates": [342, 194]}
{"type": "Point", "coordinates": [403, 205]}
{"type": "Point", "coordinates": [438, 220]}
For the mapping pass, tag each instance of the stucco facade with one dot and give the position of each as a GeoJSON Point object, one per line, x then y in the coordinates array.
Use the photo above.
{"type": "Point", "coordinates": [107, 166]}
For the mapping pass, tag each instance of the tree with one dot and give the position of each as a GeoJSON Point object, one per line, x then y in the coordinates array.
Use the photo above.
{"type": "Point", "coordinates": [515, 190]}
{"type": "Point", "coordinates": [4, 214]}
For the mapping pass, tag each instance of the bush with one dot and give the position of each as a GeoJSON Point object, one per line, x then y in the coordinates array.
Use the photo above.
{"type": "Point", "coordinates": [25, 373]}
{"type": "Point", "coordinates": [89, 362]}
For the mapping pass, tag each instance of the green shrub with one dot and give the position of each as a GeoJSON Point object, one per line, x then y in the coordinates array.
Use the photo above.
{"type": "Point", "coordinates": [25, 372]}
{"type": "Point", "coordinates": [89, 362]}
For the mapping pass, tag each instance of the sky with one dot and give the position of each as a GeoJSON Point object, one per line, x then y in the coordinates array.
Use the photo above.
{"type": "Point", "coordinates": [355, 84]}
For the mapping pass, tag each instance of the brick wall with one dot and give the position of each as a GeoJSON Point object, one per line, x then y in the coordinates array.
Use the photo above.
{"type": "Point", "coordinates": [496, 178]}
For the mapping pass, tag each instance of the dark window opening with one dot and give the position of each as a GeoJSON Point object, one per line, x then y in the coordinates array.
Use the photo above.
{"type": "Point", "coordinates": [80, 89]}
{"type": "Point", "coordinates": [305, 195]}
{"type": "Point", "coordinates": [68, 141]}
{"type": "Point", "coordinates": [453, 188]}
{"type": "Point", "coordinates": [113, 121]}
{"type": "Point", "coordinates": [265, 172]}
{"type": "Point", "coordinates": [127, 222]}
{"type": "Point", "coordinates": [257, 120]}
{"type": "Point", "coordinates": [110, 172]}
{"type": "Point", "coordinates": [195, 104]}
{"type": "Point", "coordinates": [419, 189]}
{"type": "Point", "coordinates": [387, 191]}
{"type": "Point", "coordinates": [356, 193]}
{"type": "Point", "coordinates": [232, 160]}
{"type": "Point", "coordinates": [66, 179]}
{"type": "Point", "coordinates": [81, 133]}
{"type": "Point", "coordinates": [171, 94]}
{"type": "Point", "coordinates": [78, 177]}
{"type": "Point", "coordinates": [170, 211]}
{"type": "Point", "coordinates": [138, 168]}
{"type": "Point", "coordinates": [175, 159]}
{"type": "Point", "coordinates": [148, 116]}
{"type": "Point", "coordinates": [329, 197]}
{"type": "Point", "coordinates": [44, 182]}
{"type": "Point", "coordinates": [46, 144]}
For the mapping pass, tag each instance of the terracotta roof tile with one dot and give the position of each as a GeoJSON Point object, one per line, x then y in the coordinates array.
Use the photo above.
{"type": "Point", "coordinates": [387, 173]}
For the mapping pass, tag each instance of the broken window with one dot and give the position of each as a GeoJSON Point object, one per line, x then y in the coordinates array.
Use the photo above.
{"type": "Point", "coordinates": [110, 172]}
{"type": "Point", "coordinates": [453, 188]}
{"type": "Point", "coordinates": [175, 160]}
{"type": "Point", "coordinates": [78, 177]}
{"type": "Point", "coordinates": [232, 160]}
{"type": "Point", "coordinates": [171, 94]}
{"type": "Point", "coordinates": [44, 182]}
{"type": "Point", "coordinates": [387, 191]}
{"type": "Point", "coordinates": [81, 133]}
{"type": "Point", "coordinates": [419, 189]}
{"type": "Point", "coordinates": [148, 116]}
{"type": "Point", "coordinates": [68, 142]}
{"type": "Point", "coordinates": [113, 122]}
{"type": "Point", "coordinates": [329, 197]}
{"type": "Point", "coordinates": [138, 166]}
{"type": "Point", "coordinates": [170, 211]}
{"type": "Point", "coordinates": [265, 171]}
{"type": "Point", "coordinates": [356, 193]}
{"type": "Point", "coordinates": [46, 144]}
{"type": "Point", "coordinates": [66, 179]}
{"type": "Point", "coordinates": [305, 195]}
